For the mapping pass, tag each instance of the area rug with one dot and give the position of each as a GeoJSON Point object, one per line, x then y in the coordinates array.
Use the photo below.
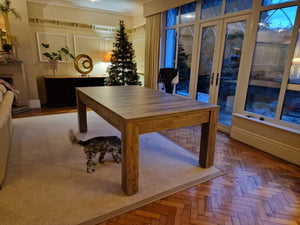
{"type": "Point", "coordinates": [47, 182]}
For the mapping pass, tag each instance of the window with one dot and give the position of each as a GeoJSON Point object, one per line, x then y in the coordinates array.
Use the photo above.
{"type": "Point", "coordinates": [295, 68]}
{"type": "Point", "coordinates": [172, 16]}
{"type": "Point", "coordinates": [262, 87]}
{"type": "Point", "coordinates": [179, 44]}
{"type": "Point", "coordinates": [237, 5]}
{"type": "Point", "coordinates": [211, 8]}
{"type": "Point", "coordinates": [187, 13]}
{"type": "Point", "coordinates": [273, 2]}
{"type": "Point", "coordinates": [291, 105]}
{"type": "Point", "coordinates": [170, 48]}
{"type": "Point", "coordinates": [272, 45]}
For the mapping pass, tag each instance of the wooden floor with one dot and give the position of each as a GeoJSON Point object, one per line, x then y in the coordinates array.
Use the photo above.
{"type": "Point", "coordinates": [256, 189]}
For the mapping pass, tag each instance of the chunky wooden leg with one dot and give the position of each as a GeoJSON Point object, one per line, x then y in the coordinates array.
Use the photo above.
{"type": "Point", "coordinates": [130, 158]}
{"type": "Point", "coordinates": [208, 140]}
{"type": "Point", "coordinates": [81, 113]}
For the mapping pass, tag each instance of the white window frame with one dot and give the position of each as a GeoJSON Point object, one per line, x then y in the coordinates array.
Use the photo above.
{"type": "Point", "coordinates": [246, 60]}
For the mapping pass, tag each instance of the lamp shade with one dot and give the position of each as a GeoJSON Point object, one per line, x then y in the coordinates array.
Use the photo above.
{"type": "Point", "coordinates": [107, 57]}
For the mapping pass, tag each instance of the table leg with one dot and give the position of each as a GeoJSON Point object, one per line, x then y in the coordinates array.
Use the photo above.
{"type": "Point", "coordinates": [81, 114]}
{"type": "Point", "coordinates": [130, 158]}
{"type": "Point", "coordinates": [208, 140]}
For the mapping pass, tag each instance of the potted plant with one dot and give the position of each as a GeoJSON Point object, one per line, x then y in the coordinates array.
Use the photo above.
{"type": "Point", "coordinates": [58, 54]}
{"type": "Point", "coordinates": [55, 56]}
{"type": "Point", "coordinates": [8, 52]}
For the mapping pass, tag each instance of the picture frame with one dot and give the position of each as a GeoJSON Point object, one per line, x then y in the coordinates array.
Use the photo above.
{"type": "Point", "coordinates": [56, 42]}
{"type": "Point", "coordinates": [88, 45]}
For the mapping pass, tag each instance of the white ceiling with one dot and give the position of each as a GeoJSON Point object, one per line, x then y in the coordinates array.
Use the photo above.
{"type": "Point", "coordinates": [126, 7]}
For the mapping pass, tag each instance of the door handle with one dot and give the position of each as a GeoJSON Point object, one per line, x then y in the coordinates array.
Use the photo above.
{"type": "Point", "coordinates": [212, 79]}
{"type": "Point", "coordinates": [217, 79]}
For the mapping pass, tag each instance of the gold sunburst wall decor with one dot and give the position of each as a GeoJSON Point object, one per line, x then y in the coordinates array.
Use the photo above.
{"type": "Point", "coordinates": [83, 64]}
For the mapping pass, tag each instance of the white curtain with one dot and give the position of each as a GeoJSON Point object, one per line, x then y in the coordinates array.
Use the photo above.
{"type": "Point", "coordinates": [152, 50]}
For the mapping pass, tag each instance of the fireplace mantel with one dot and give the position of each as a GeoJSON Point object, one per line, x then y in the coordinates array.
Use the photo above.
{"type": "Point", "coordinates": [15, 71]}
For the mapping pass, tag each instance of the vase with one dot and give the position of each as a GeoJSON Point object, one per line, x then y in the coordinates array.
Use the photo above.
{"type": "Point", "coordinates": [53, 66]}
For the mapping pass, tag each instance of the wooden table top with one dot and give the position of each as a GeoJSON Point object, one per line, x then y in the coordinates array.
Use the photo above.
{"type": "Point", "coordinates": [136, 102]}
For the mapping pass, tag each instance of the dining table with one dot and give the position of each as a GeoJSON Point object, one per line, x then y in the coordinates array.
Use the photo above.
{"type": "Point", "coordinates": [136, 110]}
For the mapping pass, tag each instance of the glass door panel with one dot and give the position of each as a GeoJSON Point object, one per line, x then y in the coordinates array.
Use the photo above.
{"type": "Point", "coordinates": [207, 63]}
{"type": "Point", "coordinates": [219, 61]}
{"type": "Point", "coordinates": [230, 68]}
{"type": "Point", "coordinates": [220, 48]}
{"type": "Point", "coordinates": [185, 48]}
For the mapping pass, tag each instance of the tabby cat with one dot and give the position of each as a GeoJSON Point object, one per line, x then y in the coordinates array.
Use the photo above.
{"type": "Point", "coordinates": [103, 145]}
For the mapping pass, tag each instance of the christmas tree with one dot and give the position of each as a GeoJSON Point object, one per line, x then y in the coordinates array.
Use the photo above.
{"type": "Point", "coordinates": [123, 70]}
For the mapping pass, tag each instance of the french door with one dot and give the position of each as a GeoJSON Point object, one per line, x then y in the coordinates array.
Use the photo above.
{"type": "Point", "coordinates": [220, 51]}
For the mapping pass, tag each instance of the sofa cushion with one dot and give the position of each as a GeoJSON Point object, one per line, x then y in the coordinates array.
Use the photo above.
{"type": "Point", "coordinates": [3, 88]}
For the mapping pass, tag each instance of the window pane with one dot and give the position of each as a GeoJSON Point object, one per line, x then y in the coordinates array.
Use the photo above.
{"type": "Point", "coordinates": [170, 50]}
{"type": "Point", "coordinates": [262, 100]}
{"type": "Point", "coordinates": [269, 60]}
{"type": "Point", "coordinates": [185, 48]}
{"type": "Point", "coordinates": [210, 8]}
{"type": "Point", "coordinates": [237, 5]}
{"type": "Point", "coordinates": [291, 107]}
{"type": "Point", "coordinates": [188, 12]}
{"type": "Point", "coordinates": [273, 2]}
{"type": "Point", "coordinates": [295, 68]}
{"type": "Point", "coordinates": [206, 62]}
{"type": "Point", "coordinates": [172, 15]}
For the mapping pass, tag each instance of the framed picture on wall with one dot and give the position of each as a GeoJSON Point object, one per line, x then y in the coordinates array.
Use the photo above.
{"type": "Point", "coordinates": [90, 46]}
{"type": "Point", "coordinates": [109, 44]}
{"type": "Point", "coordinates": [56, 42]}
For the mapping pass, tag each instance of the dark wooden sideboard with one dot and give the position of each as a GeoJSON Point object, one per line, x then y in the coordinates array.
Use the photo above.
{"type": "Point", "coordinates": [60, 90]}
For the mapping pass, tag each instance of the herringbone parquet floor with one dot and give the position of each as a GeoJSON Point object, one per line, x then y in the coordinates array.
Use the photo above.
{"type": "Point", "coordinates": [256, 189]}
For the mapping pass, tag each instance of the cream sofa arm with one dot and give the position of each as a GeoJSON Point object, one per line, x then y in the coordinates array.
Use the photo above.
{"type": "Point", "coordinates": [5, 130]}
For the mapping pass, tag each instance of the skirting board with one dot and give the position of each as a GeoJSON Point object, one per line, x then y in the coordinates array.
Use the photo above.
{"type": "Point", "coordinates": [270, 146]}
{"type": "Point", "coordinates": [33, 104]}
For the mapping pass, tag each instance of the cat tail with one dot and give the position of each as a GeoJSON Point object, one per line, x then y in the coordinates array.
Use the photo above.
{"type": "Point", "coordinates": [73, 138]}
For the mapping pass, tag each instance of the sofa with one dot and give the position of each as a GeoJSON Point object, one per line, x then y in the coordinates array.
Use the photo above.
{"type": "Point", "coordinates": [6, 101]}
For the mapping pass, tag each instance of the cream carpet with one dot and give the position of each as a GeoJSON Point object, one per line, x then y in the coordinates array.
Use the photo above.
{"type": "Point", "coordinates": [47, 183]}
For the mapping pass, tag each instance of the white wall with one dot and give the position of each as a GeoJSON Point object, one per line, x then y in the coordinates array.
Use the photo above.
{"type": "Point", "coordinates": [60, 13]}
{"type": "Point", "coordinates": [72, 22]}
{"type": "Point", "coordinates": [24, 42]}
{"type": "Point", "coordinates": [273, 139]}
